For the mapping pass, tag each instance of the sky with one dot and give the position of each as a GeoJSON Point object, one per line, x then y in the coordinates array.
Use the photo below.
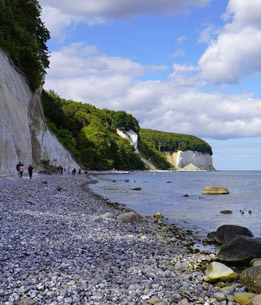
{"type": "Point", "coordinates": [184, 66]}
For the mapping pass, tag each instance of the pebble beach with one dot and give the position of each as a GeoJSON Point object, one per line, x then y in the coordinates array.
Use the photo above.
{"type": "Point", "coordinates": [58, 246]}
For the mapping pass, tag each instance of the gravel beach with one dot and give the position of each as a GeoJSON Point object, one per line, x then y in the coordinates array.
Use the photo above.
{"type": "Point", "coordinates": [58, 247]}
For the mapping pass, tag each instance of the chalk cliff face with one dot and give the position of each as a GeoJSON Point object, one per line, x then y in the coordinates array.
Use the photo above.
{"type": "Point", "coordinates": [190, 160]}
{"type": "Point", "coordinates": [23, 132]}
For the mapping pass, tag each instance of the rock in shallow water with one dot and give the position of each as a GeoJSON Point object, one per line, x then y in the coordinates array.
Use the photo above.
{"type": "Point", "coordinates": [214, 190]}
{"type": "Point", "coordinates": [228, 232]}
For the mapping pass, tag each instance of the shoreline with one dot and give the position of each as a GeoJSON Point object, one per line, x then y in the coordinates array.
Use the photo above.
{"type": "Point", "coordinates": [58, 248]}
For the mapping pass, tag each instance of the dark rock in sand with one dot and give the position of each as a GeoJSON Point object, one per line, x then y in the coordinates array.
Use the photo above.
{"type": "Point", "coordinates": [240, 249]}
{"type": "Point", "coordinates": [228, 232]}
{"type": "Point", "coordinates": [251, 278]}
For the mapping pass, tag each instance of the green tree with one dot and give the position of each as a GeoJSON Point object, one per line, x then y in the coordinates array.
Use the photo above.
{"type": "Point", "coordinates": [23, 37]}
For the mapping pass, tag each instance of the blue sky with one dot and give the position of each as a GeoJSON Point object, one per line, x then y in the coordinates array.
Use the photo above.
{"type": "Point", "coordinates": [186, 66]}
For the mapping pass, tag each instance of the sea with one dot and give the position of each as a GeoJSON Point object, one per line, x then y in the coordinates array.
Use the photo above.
{"type": "Point", "coordinates": [178, 197]}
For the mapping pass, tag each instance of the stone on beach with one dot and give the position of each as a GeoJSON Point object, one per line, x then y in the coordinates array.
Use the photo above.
{"type": "Point", "coordinates": [108, 215]}
{"type": "Point", "coordinates": [251, 278]}
{"type": "Point", "coordinates": [256, 300]}
{"type": "Point", "coordinates": [219, 271]}
{"type": "Point", "coordinates": [214, 190]}
{"type": "Point", "coordinates": [244, 298]}
{"type": "Point", "coordinates": [128, 217]}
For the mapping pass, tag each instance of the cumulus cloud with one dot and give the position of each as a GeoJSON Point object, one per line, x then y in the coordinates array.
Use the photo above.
{"type": "Point", "coordinates": [177, 104]}
{"type": "Point", "coordinates": [59, 13]}
{"type": "Point", "coordinates": [236, 51]}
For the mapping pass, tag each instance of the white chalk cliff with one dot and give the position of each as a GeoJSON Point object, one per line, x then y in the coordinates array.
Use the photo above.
{"type": "Point", "coordinates": [181, 160]}
{"type": "Point", "coordinates": [190, 160]}
{"type": "Point", "coordinates": [23, 131]}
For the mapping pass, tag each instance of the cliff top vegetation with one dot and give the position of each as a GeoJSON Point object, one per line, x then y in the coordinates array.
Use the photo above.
{"type": "Point", "coordinates": [169, 141]}
{"type": "Point", "coordinates": [90, 134]}
{"type": "Point", "coordinates": [23, 37]}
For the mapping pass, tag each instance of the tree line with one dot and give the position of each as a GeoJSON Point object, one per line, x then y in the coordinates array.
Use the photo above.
{"type": "Point", "coordinates": [172, 142]}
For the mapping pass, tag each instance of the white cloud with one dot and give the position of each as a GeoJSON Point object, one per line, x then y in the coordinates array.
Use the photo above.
{"type": "Point", "coordinates": [244, 13]}
{"type": "Point", "coordinates": [178, 53]}
{"type": "Point", "coordinates": [236, 51]}
{"type": "Point", "coordinates": [58, 14]}
{"type": "Point", "coordinates": [177, 104]}
{"type": "Point", "coordinates": [207, 34]}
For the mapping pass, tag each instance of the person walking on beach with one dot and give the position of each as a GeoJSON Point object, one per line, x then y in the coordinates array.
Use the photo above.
{"type": "Point", "coordinates": [74, 171]}
{"type": "Point", "coordinates": [17, 168]}
{"type": "Point", "coordinates": [21, 170]}
{"type": "Point", "coordinates": [30, 171]}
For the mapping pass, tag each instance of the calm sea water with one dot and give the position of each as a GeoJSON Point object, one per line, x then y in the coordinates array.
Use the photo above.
{"type": "Point", "coordinates": [164, 192]}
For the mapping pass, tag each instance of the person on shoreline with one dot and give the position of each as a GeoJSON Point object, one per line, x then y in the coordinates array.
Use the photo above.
{"type": "Point", "coordinates": [17, 168]}
{"type": "Point", "coordinates": [30, 171]}
{"type": "Point", "coordinates": [74, 171]}
{"type": "Point", "coordinates": [21, 170]}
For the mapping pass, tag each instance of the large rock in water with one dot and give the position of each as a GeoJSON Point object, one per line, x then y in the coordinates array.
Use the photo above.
{"type": "Point", "coordinates": [215, 190]}
{"type": "Point", "coordinates": [251, 278]}
{"type": "Point", "coordinates": [240, 249]}
{"type": "Point", "coordinates": [228, 232]}
{"type": "Point", "coordinates": [24, 135]}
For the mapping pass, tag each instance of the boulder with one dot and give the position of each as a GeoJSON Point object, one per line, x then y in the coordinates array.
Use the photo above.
{"type": "Point", "coordinates": [228, 232]}
{"type": "Point", "coordinates": [218, 271]}
{"type": "Point", "coordinates": [128, 217]}
{"type": "Point", "coordinates": [240, 249]}
{"type": "Point", "coordinates": [214, 190]}
{"type": "Point", "coordinates": [158, 215]}
{"type": "Point", "coordinates": [226, 212]}
{"type": "Point", "coordinates": [107, 215]}
{"type": "Point", "coordinates": [256, 300]}
{"type": "Point", "coordinates": [251, 278]}
{"type": "Point", "coordinates": [244, 298]}
{"type": "Point", "coordinates": [139, 215]}
{"type": "Point", "coordinates": [255, 262]}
